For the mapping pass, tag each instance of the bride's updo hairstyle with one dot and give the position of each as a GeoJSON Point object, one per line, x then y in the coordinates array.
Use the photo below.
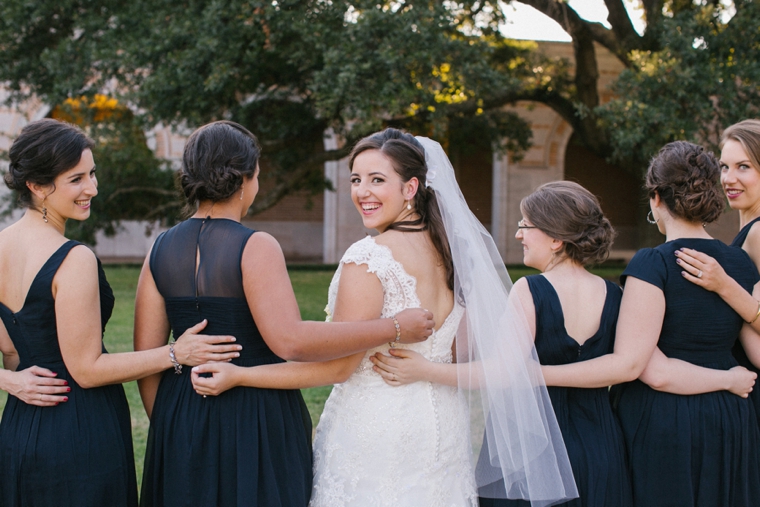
{"type": "Point", "coordinates": [746, 133]}
{"type": "Point", "coordinates": [566, 211]}
{"type": "Point", "coordinates": [217, 157]}
{"type": "Point", "coordinates": [686, 177]}
{"type": "Point", "coordinates": [43, 150]}
{"type": "Point", "coordinates": [408, 159]}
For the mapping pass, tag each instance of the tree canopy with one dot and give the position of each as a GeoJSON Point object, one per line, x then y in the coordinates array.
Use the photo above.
{"type": "Point", "coordinates": [291, 69]}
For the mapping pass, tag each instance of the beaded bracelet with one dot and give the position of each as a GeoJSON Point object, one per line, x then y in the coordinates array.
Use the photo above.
{"type": "Point", "coordinates": [398, 332]}
{"type": "Point", "coordinates": [175, 363]}
{"type": "Point", "coordinates": [756, 315]}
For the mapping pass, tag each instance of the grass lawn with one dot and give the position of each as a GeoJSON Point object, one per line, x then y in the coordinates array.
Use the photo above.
{"type": "Point", "coordinates": [311, 292]}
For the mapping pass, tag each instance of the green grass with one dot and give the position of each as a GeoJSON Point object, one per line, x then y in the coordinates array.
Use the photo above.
{"type": "Point", "coordinates": [310, 287]}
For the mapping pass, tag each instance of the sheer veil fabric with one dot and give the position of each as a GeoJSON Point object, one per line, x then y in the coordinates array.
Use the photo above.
{"type": "Point", "coordinates": [516, 441]}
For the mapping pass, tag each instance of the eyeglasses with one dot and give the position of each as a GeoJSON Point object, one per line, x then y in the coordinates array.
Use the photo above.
{"type": "Point", "coordinates": [521, 225]}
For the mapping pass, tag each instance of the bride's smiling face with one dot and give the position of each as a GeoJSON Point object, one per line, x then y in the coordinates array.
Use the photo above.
{"type": "Point", "coordinates": [378, 191]}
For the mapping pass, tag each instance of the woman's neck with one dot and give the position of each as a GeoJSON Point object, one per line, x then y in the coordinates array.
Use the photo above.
{"type": "Point", "coordinates": [564, 267]}
{"type": "Point", "coordinates": [228, 210]}
{"type": "Point", "coordinates": [748, 215]}
{"type": "Point", "coordinates": [34, 218]}
{"type": "Point", "coordinates": [678, 229]}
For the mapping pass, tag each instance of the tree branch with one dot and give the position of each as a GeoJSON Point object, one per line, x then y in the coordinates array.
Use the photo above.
{"type": "Point", "coordinates": [622, 25]}
{"type": "Point", "coordinates": [576, 26]}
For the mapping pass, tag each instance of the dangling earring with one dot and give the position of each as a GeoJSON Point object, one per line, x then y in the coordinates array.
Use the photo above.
{"type": "Point", "coordinates": [650, 218]}
{"type": "Point", "coordinates": [408, 206]}
{"type": "Point", "coordinates": [44, 211]}
{"type": "Point", "coordinates": [241, 194]}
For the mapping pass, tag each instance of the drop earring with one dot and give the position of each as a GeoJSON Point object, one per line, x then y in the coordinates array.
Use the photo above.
{"type": "Point", "coordinates": [44, 211]}
{"type": "Point", "coordinates": [651, 219]}
{"type": "Point", "coordinates": [241, 194]}
{"type": "Point", "coordinates": [408, 206]}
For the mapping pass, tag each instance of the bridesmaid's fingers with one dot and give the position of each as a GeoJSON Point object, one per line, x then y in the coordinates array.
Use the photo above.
{"type": "Point", "coordinates": [43, 372]}
{"type": "Point", "coordinates": [54, 389]}
{"type": "Point", "coordinates": [45, 381]}
{"type": "Point", "coordinates": [47, 400]}
{"type": "Point", "coordinates": [694, 255]}
{"type": "Point", "coordinates": [198, 327]}
{"type": "Point", "coordinates": [220, 340]}
{"type": "Point", "coordinates": [690, 271]}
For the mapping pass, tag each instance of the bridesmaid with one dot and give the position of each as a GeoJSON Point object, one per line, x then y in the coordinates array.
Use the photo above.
{"type": "Point", "coordinates": [55, 305]}
{"type": "Point", "coordinates": [245, 447]}
{"type": "Point", "coordinates": [690, 442]}
{"type": "Point", "coordinates": [572, 315]}
{"type": "Point", "coordinates": [740, 178]}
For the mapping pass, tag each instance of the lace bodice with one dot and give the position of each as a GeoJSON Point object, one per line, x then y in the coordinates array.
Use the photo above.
{"type": "Point", "coordinates": [424, 459]}
{"type": "Point", "coordinates": [399, 293]}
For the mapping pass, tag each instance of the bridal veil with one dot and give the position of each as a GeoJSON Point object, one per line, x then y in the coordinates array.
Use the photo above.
{"type": "Point", "coordinates": [516, 441]}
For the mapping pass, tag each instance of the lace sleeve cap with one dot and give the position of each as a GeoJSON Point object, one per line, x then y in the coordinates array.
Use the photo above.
{"type": "Point", "coordinates": [376, 257]}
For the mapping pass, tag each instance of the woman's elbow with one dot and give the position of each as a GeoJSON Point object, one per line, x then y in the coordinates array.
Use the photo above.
{"type": "Point", "coordinates": [630, 371]}
{"type": "Point", "coordinates": [85, 379]}
{"type": "Point", "coordinates": [654, 378]}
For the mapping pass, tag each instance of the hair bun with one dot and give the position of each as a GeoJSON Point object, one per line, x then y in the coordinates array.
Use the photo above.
{"type": "Point", "coordinates": [686, 176]}
{"type": "Point", "coordinates": [566, 211]}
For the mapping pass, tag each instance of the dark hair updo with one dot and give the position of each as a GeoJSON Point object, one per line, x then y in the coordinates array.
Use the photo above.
{"type": "Point", "coordinates": [568, 212]}
{"type": "Point", "coordinates": [408, 159]}
{"type": "Point", "coordinates": [43, 150]}
{"type": "Point", "coordinates": [686, 176]}
{"type": "Point", "coordinates": [217, 157]}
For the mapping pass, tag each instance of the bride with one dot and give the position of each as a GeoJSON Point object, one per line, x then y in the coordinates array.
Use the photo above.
{"type": "Point", "coordinates": [378, 445]}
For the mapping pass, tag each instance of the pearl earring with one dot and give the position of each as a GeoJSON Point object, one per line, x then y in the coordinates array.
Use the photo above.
{"type": "Point", "coordinates": [241, 194]}
{"type": "Point", "coordinates": [408, 205]}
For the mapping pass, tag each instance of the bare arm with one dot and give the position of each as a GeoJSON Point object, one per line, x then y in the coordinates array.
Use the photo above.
{"type": "Point", "coordinates": [274, 308]}
{"type": "Point", "coordinates": [360, 298]}
{"type": "Point", "coordinates": [77, 306]}
{"type": "Point", "coordinates": [750, 340]}
{"type": "Point", "coordinates": [681, 377]}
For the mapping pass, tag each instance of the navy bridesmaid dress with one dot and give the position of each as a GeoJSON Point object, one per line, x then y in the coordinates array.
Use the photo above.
{"type": "Point", "coordinates": [247, 447]}
{"type": "Point", "coordinates": [589, 428]}
{"type": "Point", "coordinates": [739, 353]}
{"type": "Point", "coordinates": [77, 453]}
{"type": "Point", "coordinates": [700, 450]}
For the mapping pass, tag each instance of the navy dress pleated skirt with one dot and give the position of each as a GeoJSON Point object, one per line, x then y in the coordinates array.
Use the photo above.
{"type": "Point", "coordinates": [75, 454]}
{"type": "Point", "coordinates": [589, 427]}
{"type": "Point", "coordinates": [701, 450]}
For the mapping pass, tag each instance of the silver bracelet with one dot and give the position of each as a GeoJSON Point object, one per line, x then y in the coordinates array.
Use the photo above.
{"type": "Point", "coordinates": [175, 363]}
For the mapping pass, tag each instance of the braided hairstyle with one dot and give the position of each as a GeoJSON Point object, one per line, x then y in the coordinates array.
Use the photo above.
{"type": "Point", "coordinates": [408, 159]}
{"type": "Point", "coordinates": [43, 150]}
{"type": "Point", "coordinates": [217, 157]}
{"type": "Point", "coordinates": [566, 211]}
{"type": "Point", "coordinates": [686, 177]}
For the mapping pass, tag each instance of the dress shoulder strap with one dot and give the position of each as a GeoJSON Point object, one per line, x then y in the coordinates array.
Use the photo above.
{"type": "Point", "coordinates": [742, 236]}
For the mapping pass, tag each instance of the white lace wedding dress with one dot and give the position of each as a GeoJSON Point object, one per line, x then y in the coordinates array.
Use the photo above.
{"type": "Point", "coordinates": [383, 446]}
